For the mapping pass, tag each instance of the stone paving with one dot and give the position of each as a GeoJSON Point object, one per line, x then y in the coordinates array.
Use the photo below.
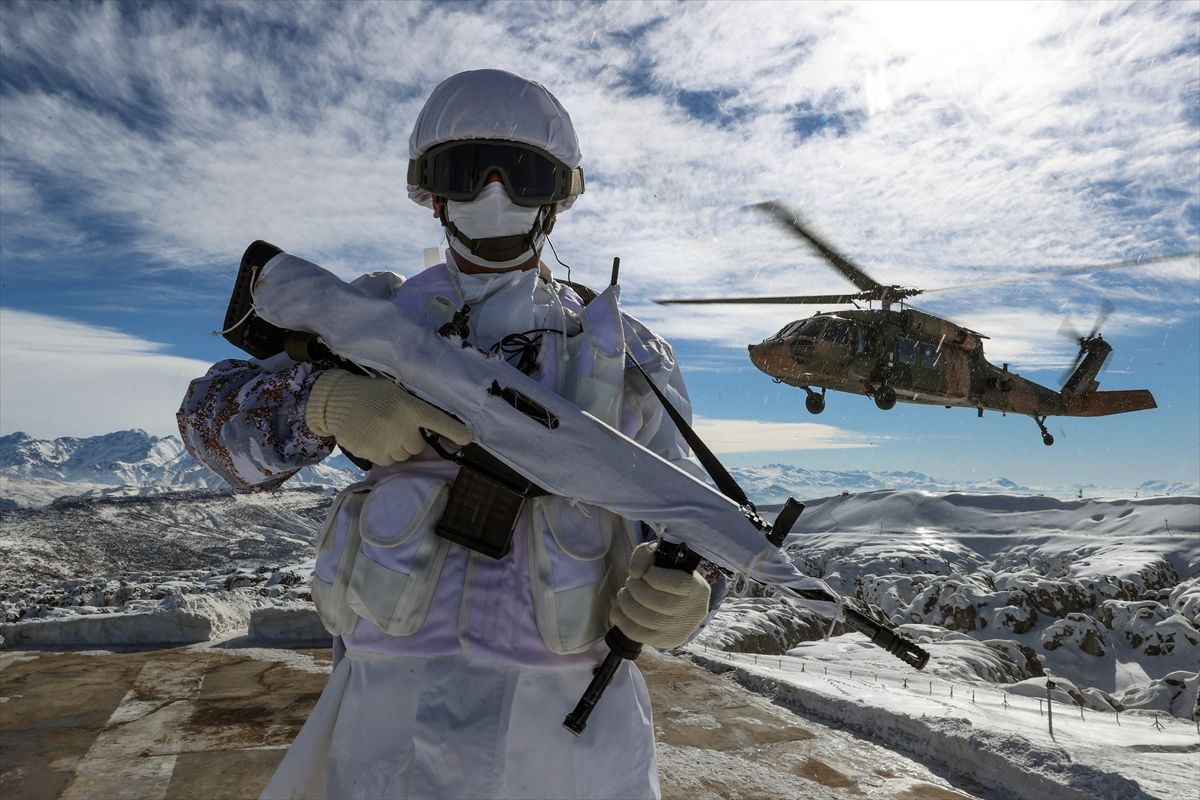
{"type": "Point", "coordinates": [213, 722]}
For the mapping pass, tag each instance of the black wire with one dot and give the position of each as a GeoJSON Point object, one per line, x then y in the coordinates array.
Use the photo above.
{"type": "Point", "coordinates": [525, 345]}
{"type": "Point", "coordinates": [559, 260]}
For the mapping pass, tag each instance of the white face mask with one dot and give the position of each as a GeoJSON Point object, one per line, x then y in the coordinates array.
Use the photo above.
{"type": "Point", "coordinates": [491, 214]}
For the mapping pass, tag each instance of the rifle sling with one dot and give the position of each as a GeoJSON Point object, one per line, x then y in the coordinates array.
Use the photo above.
{"type": "Point", "coordinates": [716, 470]}
{"type": "Point", "coordinates": [721, 477]}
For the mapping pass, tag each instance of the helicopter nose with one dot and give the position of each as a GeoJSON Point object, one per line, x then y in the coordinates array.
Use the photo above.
{"type": "Point", "coordinates": [770, 356]}
{"type": "Point", "coordinates": [756, 354]}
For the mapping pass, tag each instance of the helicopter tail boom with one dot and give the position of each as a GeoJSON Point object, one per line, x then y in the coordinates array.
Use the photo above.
{"type": "Point", "coordinates": [1101, 404]}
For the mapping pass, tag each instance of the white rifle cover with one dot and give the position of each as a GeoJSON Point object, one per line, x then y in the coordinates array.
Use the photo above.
{"type": "Point", "coordinates": [581, 457]}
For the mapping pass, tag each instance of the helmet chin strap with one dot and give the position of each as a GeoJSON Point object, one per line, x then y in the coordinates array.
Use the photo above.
{"type": "Point", "coordinates": [502, 248]}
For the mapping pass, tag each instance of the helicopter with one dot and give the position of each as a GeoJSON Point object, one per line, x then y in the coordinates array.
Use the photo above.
{"type": "Point", "coordinates": [908, 355]}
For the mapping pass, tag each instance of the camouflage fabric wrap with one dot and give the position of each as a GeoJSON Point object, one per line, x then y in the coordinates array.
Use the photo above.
{"type": "Point", "coordinates": [244, 420]}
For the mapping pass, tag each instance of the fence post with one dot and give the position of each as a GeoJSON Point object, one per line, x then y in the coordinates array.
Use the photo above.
{"type": "Point", "coordinates": [1049, 704]}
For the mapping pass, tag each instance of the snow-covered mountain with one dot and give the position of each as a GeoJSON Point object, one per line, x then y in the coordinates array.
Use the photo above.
{"type": "Point", "coordinates": [35, 472]}
{"type": "Point", "coordinates": [774, 483]}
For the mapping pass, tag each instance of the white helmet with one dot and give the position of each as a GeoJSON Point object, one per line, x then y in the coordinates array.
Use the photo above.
{"type": "Point", "coordinates": [491, 104]}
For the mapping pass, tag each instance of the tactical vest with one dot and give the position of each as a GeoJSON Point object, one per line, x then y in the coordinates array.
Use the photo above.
{"type": "Point", "coordinates": [379, 558]}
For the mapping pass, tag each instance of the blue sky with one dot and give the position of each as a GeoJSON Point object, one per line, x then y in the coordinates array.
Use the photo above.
{"type": "Point", "coordinates": [143, 146]}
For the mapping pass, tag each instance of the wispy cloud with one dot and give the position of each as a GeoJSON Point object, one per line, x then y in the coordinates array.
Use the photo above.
{"type": "Point", "coordinates": [921, 139]}
{"type": "Point", "coordinates": [61, 378]}
{"type": "Point", "coordinates": [753, 436]}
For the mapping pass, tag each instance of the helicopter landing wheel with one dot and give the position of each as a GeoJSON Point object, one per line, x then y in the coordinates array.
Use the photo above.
{"type": "Point", "coordinates": [815, 403]}
{"type": "Point", "coordinates": [1047, 439]}
{"type": "Point", "coordinates": [885, 397]}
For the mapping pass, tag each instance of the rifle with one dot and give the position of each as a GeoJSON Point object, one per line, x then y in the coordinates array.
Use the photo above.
{"type": "Point", "coordinates": [536, 434]}
{"type": "Point", "coordinates": [481, 475]}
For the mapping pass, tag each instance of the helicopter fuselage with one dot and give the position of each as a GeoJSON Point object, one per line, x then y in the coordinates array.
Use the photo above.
{"type": "Point", "coordinates": [915, 357]}
{"type": "Point", "coordinates": [910, 356]}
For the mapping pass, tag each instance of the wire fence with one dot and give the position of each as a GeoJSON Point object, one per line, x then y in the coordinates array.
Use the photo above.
{"type": "Point", "coordinates": [1050, 708]}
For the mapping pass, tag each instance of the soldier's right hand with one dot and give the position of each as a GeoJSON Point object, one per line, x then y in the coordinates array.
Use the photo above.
{"type": "Point", "coordinates": [374, 418]}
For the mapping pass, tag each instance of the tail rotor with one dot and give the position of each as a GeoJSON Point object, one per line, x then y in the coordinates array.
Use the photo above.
{"type": "Point", "coordinates": [1089, 344]}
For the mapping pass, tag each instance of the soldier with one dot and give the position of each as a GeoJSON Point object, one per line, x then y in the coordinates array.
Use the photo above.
{"type": "Point", "coordinates": [455, 661]}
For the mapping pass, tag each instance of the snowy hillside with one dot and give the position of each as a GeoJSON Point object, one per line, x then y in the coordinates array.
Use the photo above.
{"type": "Point", "coordinates": [1001, 589]}
{"type": "Point", "coordinates": [1106, 594]}
{"type": "Point", "coordinates": [201, 529]}
{"type": "Point", "coordinates": [1102, 598]}
{"type": "Point", "coordinates": [993, 736]}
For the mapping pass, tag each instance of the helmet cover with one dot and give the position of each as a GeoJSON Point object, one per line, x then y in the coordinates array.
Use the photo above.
{"type": "Point", "coordinates": [493, 104]}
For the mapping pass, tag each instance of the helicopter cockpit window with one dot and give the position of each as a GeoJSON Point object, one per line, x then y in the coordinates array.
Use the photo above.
{"type": "Point", "coordinates": [789, 329]}
{"type": "Point", "coordinates": [811, 327]}
{"type": "Point", "coordinates": [906, 351]}
{"type": "Point", "coordinates": [837, 332]}
{"type": "Point", "coordinates": [929, 356]}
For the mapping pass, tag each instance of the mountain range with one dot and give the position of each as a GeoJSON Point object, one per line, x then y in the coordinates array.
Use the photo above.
{"type": "Point", "coordinates": [36, 472]}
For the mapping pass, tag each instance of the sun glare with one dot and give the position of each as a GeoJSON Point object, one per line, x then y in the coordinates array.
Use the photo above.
{"type": "Point", "coordinates": [949, 28]}
{"type": "Point", "coordinates": [924, 43]}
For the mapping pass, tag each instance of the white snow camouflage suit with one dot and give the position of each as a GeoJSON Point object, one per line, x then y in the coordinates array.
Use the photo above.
{"type": "Point", "coordinates": [458, 669]}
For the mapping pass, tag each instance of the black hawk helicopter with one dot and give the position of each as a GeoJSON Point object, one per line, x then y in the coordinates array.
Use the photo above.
{"type": "Point", "coordinates": [911, 356]}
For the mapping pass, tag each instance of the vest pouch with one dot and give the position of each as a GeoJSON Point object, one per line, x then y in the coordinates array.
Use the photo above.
{"type": "Point", "coordinates": [597, 362]}
{"type": "Point", "coordinates": [575, 570]}
{"type": "Point", "coordinates": [337, 550]}
{"type": "Point", "coordinates": [400, 557]}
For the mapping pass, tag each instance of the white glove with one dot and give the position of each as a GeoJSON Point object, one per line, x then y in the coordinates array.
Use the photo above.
{"type": "Point", "coordinates": [658, 606]}
{"type": "Point", "coordinates": [374, 418]}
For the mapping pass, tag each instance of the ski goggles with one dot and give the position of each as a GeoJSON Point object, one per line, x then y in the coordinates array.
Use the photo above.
{"type": "Point", "coordinates": [458, 171]}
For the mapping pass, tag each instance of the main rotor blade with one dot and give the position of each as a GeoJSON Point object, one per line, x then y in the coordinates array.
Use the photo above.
{"type": "Point", "coordinates": [792, 222]}
{"type": "Point", "coordinates": [812, 299]}
{"type": "Point", "coordinates": [1045, 274]}
{"type": "Point", "coordinates": [1067, 330]}
{"type": "Point", "coordinates": [1106, 310]}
